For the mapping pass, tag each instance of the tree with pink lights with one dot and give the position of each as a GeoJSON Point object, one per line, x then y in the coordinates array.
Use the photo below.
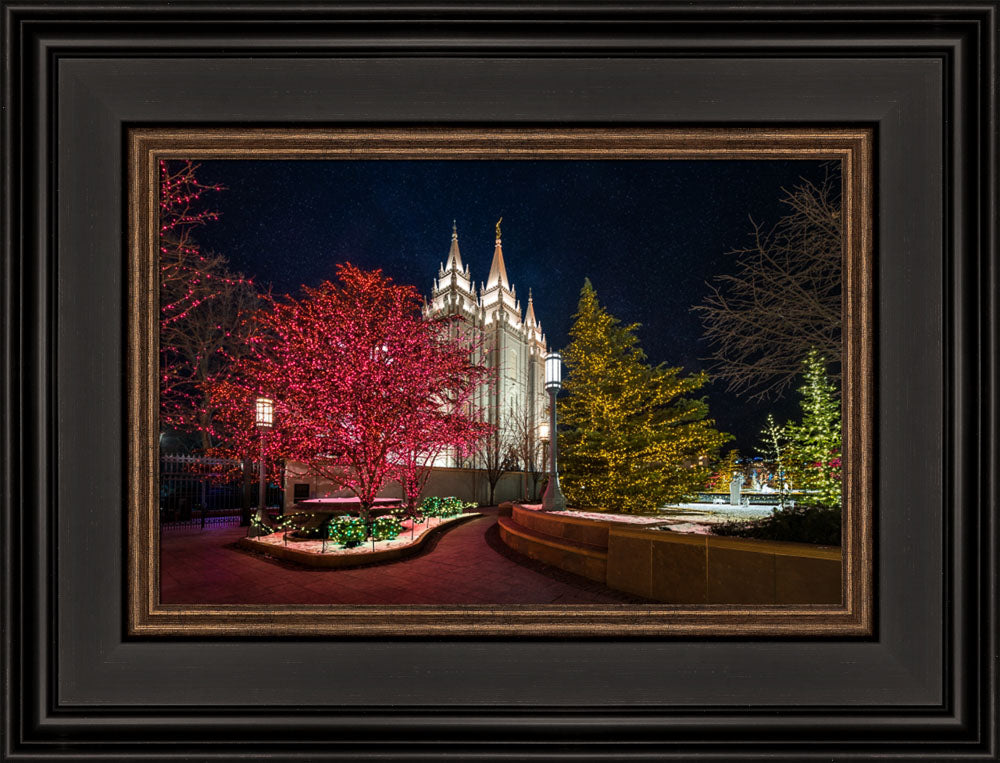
{"type": "Point", "coordinates": [365, 390]}
{"type": "Point", "coordinates": [205, 309]}
{"type": "Point", "coordinates": [428, 435]}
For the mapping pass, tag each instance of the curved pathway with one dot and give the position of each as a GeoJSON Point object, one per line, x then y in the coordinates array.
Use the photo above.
{"type": "Point", "coordinates": [204, 567]}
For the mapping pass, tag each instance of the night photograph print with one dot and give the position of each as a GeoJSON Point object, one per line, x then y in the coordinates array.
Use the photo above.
{"type": "Point", "coordinates": [501, 382]}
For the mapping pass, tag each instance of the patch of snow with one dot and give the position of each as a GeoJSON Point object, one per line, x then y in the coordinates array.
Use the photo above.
{"type": "Point", "coordinates": [628, 519]}
{"type": "Point", "coordinates": [696, 518]}
{"type": "Point", "coordinates": [712, 514]}
{"type": "Point", "coordinates": [600, 516]}
{"type": "Point", "coordinates": [691, 528]}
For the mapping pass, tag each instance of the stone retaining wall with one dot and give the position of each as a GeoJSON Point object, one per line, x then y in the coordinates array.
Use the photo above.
{"type": "Point", "coordinates": [678, 568]}
{"type": "Point", "coordinates": [580, 559]}
{"type": "Point", "coordinates": [586, 531]}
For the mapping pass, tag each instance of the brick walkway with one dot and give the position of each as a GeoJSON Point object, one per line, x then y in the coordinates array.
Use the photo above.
{"type": "Point", "coordinates": [203, 567]}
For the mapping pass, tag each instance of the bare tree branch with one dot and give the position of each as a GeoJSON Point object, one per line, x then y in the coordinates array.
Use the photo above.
{"type": "Point", "coordinates": [528, 447]}
{"type": "Point", "coordinates": [784, 298]}
{"type": "Point", "coordinates": [496, 454]}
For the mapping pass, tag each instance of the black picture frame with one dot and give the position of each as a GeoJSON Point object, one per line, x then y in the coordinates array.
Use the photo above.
{"type": "Point", "coordinates": [923, 75]}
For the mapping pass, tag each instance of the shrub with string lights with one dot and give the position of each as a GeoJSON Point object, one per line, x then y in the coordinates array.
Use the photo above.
{"type": "Point", "coordinates": [386, 528]}
{"type": "Point", "coordinates": [348, 531]}
{"type": "Point", "coordinates": [432, 506]}
{"type": "Point", "coordinates": [435, 506]}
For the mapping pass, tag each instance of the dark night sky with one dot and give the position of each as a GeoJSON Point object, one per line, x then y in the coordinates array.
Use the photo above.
{"type": "Point", "coordinates": [647, 234]}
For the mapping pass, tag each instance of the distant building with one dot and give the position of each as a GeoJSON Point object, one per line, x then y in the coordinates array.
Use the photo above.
{"type": "Point", "coordinates": [514, 345]}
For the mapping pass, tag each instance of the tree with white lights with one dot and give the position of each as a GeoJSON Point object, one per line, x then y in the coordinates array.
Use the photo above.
{"type": "Point", "coordinates": [814, 444]}
{"type": "Point", "coordinates": [776, 454]}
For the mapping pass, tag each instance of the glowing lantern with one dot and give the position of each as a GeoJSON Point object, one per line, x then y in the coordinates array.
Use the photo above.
{"type": "Point", "coordinates": [265, 413]}
{"type": "Point", "coordinates": [553, 372]}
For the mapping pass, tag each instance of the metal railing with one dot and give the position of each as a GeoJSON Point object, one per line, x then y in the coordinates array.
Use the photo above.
{"type": "Point", "coordinates": [199, 491]}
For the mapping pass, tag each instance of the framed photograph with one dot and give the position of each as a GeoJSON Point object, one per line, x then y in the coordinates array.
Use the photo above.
{"type": "Point", "coordinates": [334, 562]}
{"type": "Point", "coordinates": [500, 382]}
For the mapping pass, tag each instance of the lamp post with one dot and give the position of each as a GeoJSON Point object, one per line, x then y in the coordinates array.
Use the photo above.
{"type": "Point", "coordinates": [553, 500]}
{"type": "Point", "coordinates": [265, 421]}
{"type": "Point", "coordinates": [543, 439]}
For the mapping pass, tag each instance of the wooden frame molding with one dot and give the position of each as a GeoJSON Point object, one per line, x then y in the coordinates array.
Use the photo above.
{"type": "Point", "coordinates": [851, 146]}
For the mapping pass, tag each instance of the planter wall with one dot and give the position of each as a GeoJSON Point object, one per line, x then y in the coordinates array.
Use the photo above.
{"type": "Point", "coordinates": [706, 569]}
{"type": "Point", "coordinates": [290, 553]}
{"type": "Point", "coordinates": [678, 568]}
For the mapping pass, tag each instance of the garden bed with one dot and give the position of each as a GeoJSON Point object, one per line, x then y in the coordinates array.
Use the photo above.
{"type": "Point", "coordinates": [312, 553]}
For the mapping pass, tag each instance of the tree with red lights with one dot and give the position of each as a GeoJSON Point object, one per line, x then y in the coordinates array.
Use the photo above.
{"type": "Point", "coordinates": [205, 309]}
{"type": "Point", "coordinates": [365, 390]}
{"type": "Point", "coordinates": [429, 434]}
{"type": "Point", "coordinates": [182, 211]}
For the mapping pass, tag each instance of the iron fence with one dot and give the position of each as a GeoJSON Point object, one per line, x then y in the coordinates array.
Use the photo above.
{"type": "Point", "coordinates": [200, 491]}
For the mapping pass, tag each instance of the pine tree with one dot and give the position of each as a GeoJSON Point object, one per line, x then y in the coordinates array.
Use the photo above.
{"type": "Point", "coordinates": [632, 438]}
{"type": "Point", "coordinates": [814, 446]}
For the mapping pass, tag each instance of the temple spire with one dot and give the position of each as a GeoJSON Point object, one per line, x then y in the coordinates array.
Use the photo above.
{"type": "Point", "coordinates": [529, 316]}
{"type": "Point", "coordinates": [498, 271]}
{"type": "Point", "coordinates": [454, 256]}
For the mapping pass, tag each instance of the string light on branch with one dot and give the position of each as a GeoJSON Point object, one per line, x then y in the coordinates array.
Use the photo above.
{"type": "Point", "coordinates": [205, 308]}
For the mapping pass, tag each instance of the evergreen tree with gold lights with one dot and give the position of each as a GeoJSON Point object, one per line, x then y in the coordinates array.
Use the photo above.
{"type": "Point", "coordinates": [633, 436]}
{"type": "Point", "coordinates": [814, 443]}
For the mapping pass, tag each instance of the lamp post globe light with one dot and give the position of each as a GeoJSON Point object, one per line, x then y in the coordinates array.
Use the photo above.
{"type": "Point", "coordinates": [264, 409]}
{"type": "Point", "coordinates": [553, 500]}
